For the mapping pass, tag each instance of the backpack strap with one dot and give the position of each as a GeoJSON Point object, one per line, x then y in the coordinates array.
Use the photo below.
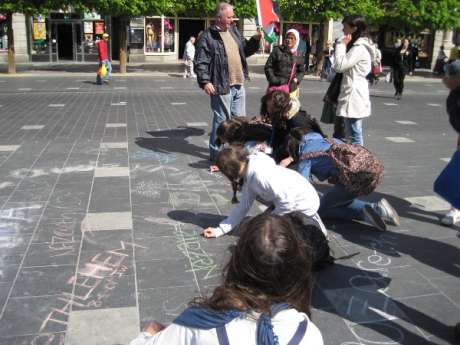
{"type": "Point", "coordinates": [222, 335]}
{"type": "Point", "coordinates": [299, 333]}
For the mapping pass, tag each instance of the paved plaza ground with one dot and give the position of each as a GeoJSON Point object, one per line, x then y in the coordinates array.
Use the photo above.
{"type": "Point", "coordinates": [104, 191]}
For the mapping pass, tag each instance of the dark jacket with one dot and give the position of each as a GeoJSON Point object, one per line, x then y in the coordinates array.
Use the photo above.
{"type": "Point", "coordinates": [401, 62]}
{"type": "Point", "coordinates": [211, 63]}
{"type": "Point", "coordinates": [279, 66]}
{"type": "Point", "coordinates": [280, 132]}
{"type": "Point", "coordinates": [453, 108]}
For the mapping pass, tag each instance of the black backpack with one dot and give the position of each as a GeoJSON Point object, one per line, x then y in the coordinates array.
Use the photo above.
{"type": "Point", "coordinates": [314, 236]}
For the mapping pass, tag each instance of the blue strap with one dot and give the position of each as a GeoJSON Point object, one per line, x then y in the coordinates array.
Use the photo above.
{"type": "Point", "coordinates": [299, 333]}
{"type": "Point", "coordinates": [222, 335]}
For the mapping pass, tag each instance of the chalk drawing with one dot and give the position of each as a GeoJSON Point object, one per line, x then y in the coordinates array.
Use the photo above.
{"type": "Point", "coordinates": [163, 158]}
{"type": "Point", "coordinates": [148, 189]}
{"type": "Point", "coordinates": [174, 311]}
{"type": "Point", "coordinates": [93, 284]}
{"type": "Point", "coordinates": [48, 339]}
{"type": "Point", "coordinates": [189, 244]}
{"type": "Point", "coordinates": [396, 338]}
{"type": "Point", "coordinates": [4, 185]}
{"type": "Point", "coordinates": [23, 172]}
{"type": "Point", "coordinates": [162, 221]}
{"type": "Point", "coordinates": [18, 213]}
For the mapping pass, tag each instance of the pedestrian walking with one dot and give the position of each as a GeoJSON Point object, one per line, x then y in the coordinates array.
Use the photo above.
{"type": "Point", "coordinates": [309, 149]}
{"type": "Point", "coordinates": [189, 55]}
{"type": "Point", "coordinates": [354, 54]}
{"type": "Point", "coordinates": [264, 297]}
{"type": "Point", "coordinates": [221, 69]}
{"type": "Point", "coordinates": [258, 177]}
{"type": "Point", "coordinates": [440, 61]}
{"type": "Point", "coordinates": [103, 59]}
{"type": "Point", "coordinates": [413, 64]}
{"type": "Point", "coordinates": [401, 61]}
{"type": "Point", "coordinates": [285, 66]}
{"type": "Point", "coordinates": [447, 187]}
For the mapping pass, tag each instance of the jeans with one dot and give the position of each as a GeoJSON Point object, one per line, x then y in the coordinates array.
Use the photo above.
{"type": "Point", "coordinates": [338, 203]}
{"type": "Point", "coordinates": [224, 107]}
{"type": "Point", "coordinates": [354, 130]}
{"type": "Point", "coordinates": [108, 66]}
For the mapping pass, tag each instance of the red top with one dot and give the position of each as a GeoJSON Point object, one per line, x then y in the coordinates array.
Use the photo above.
{"type": "Point", "coordinates": [102, 50]}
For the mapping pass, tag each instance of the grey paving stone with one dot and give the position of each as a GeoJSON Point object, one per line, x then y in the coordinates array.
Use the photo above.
{"type": "Point", "coordinates": [61, 251]}
{"type": "Point", "coordinates": [37, 314]}
{"type": "Point", "coordinates": [165, 304]}
{"type": "Point", "coordinates": [44, 280]}
{"type": "Point", "coordinates": [117, 326]}
{"type": "Point", "coordinates": [156, 274]}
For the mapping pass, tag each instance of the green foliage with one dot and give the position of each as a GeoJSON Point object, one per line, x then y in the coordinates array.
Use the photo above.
{"type": "Point", "coordinates": [421, 14]}
{"type": "Point", "coordinates": [320, 10]}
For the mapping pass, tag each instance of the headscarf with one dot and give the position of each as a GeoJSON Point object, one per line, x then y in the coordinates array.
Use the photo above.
{"type": "Point", "coordinates": [297, 39]}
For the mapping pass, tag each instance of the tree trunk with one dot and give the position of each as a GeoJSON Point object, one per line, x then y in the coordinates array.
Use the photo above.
{"type": "Point", "coordinates": [320, 48]}
{"type": "Point", "coordinates": [123, 45]}
{"type": "Point", "coordinates": [11, 51]}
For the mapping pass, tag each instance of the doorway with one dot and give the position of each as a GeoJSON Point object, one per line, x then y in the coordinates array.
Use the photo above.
{"type": "Point", "coordinates": [65, 41]}
{"type": "Point", "coordinates": [187, 28]}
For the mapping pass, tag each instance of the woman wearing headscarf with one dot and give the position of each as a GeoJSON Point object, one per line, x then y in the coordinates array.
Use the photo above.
{"type": "Point", "coordinates": [285, 66]}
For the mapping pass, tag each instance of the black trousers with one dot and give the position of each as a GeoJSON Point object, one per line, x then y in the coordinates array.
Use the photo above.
{"type": "Point", "coordinates": [398, 80]}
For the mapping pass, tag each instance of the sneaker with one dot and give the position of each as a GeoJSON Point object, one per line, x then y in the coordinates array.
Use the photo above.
{"type": "Point", "coordinates": [451, 217]}
{"type": "Point", "coordinates": [388, 213]}
{"type": "Point", "coordinates": [373, 217]}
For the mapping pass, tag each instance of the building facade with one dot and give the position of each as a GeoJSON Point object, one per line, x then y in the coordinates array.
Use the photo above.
{"type": "Point", "coordinates": [70, 37]}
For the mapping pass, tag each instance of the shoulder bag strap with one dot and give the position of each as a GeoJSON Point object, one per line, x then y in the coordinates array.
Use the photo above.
{"type": "Point", "coordinates": [291, 76]}
{"type": "Point", "coordinates": [299, 333]}
{"type": "Point", "coordinates": [222, 335]}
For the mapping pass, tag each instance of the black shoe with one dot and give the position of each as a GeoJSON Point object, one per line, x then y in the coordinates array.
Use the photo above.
{"type": "Point", "coordinates": [106, 81]}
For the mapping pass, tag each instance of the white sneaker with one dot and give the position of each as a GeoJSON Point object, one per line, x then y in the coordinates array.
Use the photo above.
{"type": "Point", "coordinates": [451, 217]}
{"type": "Point", "coordinates": [373, 217]}
{"type": "Point", "coordinates": [387, 212]}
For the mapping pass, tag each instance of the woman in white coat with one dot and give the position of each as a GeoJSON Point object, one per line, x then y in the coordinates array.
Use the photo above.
{"type": "Point", "coordinates": [354, 54]}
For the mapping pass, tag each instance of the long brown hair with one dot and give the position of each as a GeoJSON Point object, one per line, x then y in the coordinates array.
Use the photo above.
{"type": "Point", "coordinates": [271, 263]}
{"type": "Point", "coordinates": [230, 160]}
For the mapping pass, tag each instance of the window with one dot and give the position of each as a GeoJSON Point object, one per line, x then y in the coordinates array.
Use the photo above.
{"type": "Point", "coordinates": [159, 35]}
{"type": "Point", "coordinates": [3, 33]}
{"type": "Point", "coordinates": [39, 35]}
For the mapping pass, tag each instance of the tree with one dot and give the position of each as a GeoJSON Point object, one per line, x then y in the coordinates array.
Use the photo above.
{"type": "Point", "coordinates": [9, 7]}
{"type": "Point", "coordinates": [421, 14]}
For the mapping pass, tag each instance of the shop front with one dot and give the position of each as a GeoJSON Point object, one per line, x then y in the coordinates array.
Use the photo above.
{"type": "Point", "coordinates": [65, 37]}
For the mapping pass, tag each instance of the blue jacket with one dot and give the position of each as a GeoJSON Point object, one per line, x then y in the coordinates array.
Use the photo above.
{"type": "Point", "coordinates": [321, 167]}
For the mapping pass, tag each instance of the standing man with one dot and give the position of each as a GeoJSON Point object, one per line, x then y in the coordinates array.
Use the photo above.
{"type": "Point", "coordinates": [221, 68]}
{"type": "Point", "coordinates": [189, 55]}
{"type": "Point", "coordinates": [103, 58]}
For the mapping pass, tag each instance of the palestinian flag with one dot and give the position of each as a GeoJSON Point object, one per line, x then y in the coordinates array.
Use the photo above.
{"type": "Point", "coordinates": [267, 18]}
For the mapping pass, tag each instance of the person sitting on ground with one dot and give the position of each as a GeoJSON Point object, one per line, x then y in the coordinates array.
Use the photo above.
{"type": "Point", "coordinates": [337, 202]}
{"type": "Point", "coordinates": [264, 297]}
{"type": "Point", "coordinates": [258, 176]}
{"type": "Point", "coordinates": [285, 113]}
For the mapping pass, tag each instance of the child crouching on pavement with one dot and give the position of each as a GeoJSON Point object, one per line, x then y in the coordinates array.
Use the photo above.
{"type": "Point", "coordinates": [258, 177]}
{"type": "Point", "coordinates": [264, 297]}
{"type": "Point", "coordinates": [337, 202]}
